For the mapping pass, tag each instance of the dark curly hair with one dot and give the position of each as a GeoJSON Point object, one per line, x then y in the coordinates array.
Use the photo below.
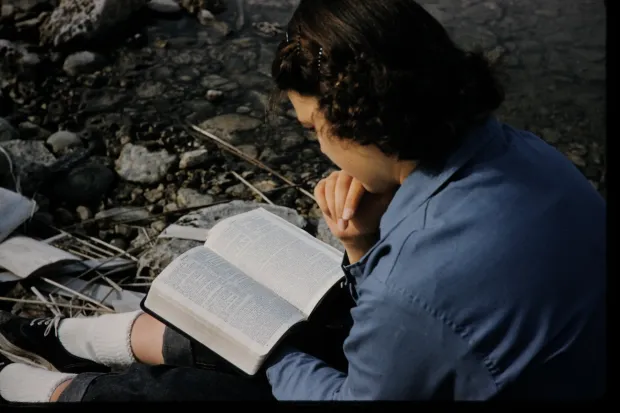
{"type": "Point", "coordinates": [386, 73]}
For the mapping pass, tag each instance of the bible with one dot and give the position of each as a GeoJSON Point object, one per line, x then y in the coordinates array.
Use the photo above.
{"type": "Point", "coordinates": [255, 278]}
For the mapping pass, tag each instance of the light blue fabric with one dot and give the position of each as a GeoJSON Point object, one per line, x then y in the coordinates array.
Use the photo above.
{"type": "Point", "coordinates": [489, 281]}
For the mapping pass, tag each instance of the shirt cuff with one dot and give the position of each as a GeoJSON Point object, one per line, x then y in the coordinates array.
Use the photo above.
{"type": "Point", "coordinates": [280, 354]}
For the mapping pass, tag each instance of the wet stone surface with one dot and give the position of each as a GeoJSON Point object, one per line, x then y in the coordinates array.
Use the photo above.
{"type": "Point", "coordinates": [160, 66]}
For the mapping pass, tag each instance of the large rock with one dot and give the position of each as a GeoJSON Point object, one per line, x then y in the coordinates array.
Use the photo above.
{"type": "Point", "coordinates": [324, 234]}
{"type": "Point", "coordinates": [28, 158]}
{"type": "Point", "coordinates": [229, 125]}
{"type": "Point", "coordinates": [85, 19]}
{"type": "Point", "coordinates": [84, 185]}
{"type": "Point", "coordinates": [157, 258]}
{"type": "Point", "coordinates": [137, 164]}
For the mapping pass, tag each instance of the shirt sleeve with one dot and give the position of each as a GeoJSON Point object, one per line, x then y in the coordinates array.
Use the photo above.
{"type": "Point", "coordinates": [395, 352]}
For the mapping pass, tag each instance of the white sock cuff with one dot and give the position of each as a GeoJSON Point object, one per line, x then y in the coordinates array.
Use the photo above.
{"type": "Point", "coordinates": [112, 338]}
{"type": "Point", "coordinates": [28, 384]}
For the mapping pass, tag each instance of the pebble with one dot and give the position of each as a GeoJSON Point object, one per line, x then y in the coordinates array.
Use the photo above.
{"type": "Point", "coordinates": [62, 141]}
{"type": "Point", "coordinates": [237, 191]}
{"type": "Point", "coordinates": [82, 62]}
{"type": "Point", "coordinates": [171, 207]}
{"type": "Point", "coordinates": [124, 230]}
{"type": "Point", "coordinates": [159, 226]}
{"type": "Point", "coordinates": [193, 159]}
{"type": "Point", "coordinates": [265, 186]}
{"type": "Point", "coordinates": [205, 17]}
{"type": "Point", "coordinates": [154, 195]}
{"type": "Point", "coordinates": [138, 164]}
{"type": "Point", "coordinates": [164, 6]}
{"type": "Point", "coordinates": [214, 95]}
{"type": "Point", "coordinates": [84, 213]}
{"type": "Point", "coordinates": [187, 198]}
{"type": "Point", "coordinates": [119, 243]}
{"type": "Point", "coordinates": [7, 10]}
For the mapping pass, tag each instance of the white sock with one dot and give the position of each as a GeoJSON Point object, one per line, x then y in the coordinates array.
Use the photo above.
{"type": "Point", "coordinates": [105, 339]}
{"type": "Point", "coordinates": [28, 384]}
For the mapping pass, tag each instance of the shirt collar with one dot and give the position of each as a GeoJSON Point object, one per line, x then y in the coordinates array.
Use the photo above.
{"type": "Point", "coordinates": [422, 184]}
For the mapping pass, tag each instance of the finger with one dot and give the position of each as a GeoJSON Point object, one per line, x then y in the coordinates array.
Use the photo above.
{"type": "Point", "coordinates": [342, 188]}
{"type": "Point", "coordinates": [330, 192]}
{"type": "Point", "coordinates": [319, 194]}
{"type": "Point", "coordinates": [354, 197]}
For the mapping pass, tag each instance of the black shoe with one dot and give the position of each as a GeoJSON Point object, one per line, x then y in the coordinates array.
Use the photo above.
{"type": "Point", "coordinates": [37, 340]}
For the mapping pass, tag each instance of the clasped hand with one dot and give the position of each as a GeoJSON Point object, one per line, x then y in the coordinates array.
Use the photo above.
{"type": "Point", "coordinates": [352, 213]}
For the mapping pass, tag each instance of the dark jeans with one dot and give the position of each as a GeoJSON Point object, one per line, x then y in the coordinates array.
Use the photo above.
{"type": "Point", "coordinates": [194, 373]}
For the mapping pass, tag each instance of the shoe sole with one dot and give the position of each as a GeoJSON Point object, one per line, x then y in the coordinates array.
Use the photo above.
{"type": "Point", "coordinates": [19, 355]}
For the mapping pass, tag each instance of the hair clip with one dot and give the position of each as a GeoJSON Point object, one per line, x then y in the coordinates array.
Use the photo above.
{"type": "Point", "coordinates": [298, 49]}
{"type": "Point", "coordinates": [287, 40]}
{"type": "Point", "coordinates": [319, 58]}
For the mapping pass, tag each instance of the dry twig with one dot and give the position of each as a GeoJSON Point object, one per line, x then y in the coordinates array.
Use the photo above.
{"type": "Point", "coordinates": [232, 149]}
{"type": "Point", "coordinates": [252, 187]}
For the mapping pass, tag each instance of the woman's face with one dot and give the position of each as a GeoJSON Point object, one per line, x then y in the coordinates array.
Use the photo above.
{"type": "Point", "coordinates": [367, 164]}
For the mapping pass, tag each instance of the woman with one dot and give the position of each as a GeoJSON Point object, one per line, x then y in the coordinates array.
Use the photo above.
{"type": "Point", "coordinates": [475, 251]}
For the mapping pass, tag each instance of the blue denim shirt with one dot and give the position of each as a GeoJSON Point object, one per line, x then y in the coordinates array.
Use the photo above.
{"type": "Point", "coordinates": [488, 282]}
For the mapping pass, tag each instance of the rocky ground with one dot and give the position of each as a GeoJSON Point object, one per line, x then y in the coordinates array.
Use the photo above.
{"type": "Point", "coordinates": [94, 92]}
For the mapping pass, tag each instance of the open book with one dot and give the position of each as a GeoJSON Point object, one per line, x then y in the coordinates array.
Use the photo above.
{"type": "Point", "coordinates": [256, 277]}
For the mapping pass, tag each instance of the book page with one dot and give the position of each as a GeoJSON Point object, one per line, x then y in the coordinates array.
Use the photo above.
{"type": "Point", "coordinates": [15, 209]}
{"type": "Point", "coordinates": [279, 255]}
{"type": "Point", "coordinates": [23, 256]}
{"type": "Point", "coordinates": [230, 300]}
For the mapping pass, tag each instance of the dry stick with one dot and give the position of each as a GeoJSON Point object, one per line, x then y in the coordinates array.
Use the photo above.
{"type": "Point", "coordinates": [149, 218]}
{"type": "Point", "coordinates": [105, 297]}
{"type": "Point", "coordinates": [93, 246]}
{"type": "Point", "coordinates": [254, 161]}
{"type": "Point", "coordinates": [146, 234]}
{"type": "Point", "coordinates": [113, 284]}
{"type": "Point", "coordinates": [86, 249]}
{"type": "Point", "coordinates": [102, 263]}
{"type": "Point", "coordinates": [99, 275]}
{"type": "Point", "coordinates": [88, 244]}
{"type": "Point", "coordinates": [252, 187]}
{"type": "Point", "coordinates": [42, 298]}
{"type": "Point", "coordinates": [80, 295]}
{"type": "Point", "coordinates": [78, 253]}
{"type": "Point", "coordinates": [137, 285]}
{"type": "Point", "coordinates": [53, 301]}
{"type": "Point", "coordinates": [35, 302]}
{"type": "Point", "coordinates": [112, 247]}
